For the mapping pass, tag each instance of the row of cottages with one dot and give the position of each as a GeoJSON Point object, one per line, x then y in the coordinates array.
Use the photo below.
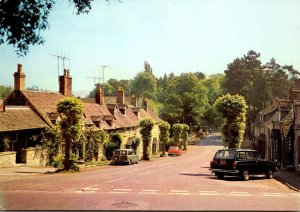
{"type": "Point", "coordinates": [277, 130]}
{"type": "Point", "coordinates": [25, 114]}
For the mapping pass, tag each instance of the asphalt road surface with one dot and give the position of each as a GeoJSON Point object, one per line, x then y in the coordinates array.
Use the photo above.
{"type": "Point", "coordinates": [167, 183]}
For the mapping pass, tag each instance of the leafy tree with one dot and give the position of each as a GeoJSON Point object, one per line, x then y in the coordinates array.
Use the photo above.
{"type": "Point", "coordinates": [113, 144]}
{"type": "Point", "coordinates": [146, 129]}
{"type": "Point", "coordinates": [5, 91]}
{"type": "Point", "coordinates": [172, 109]}
{"type": "Point", "coordinates": [144, 85]}
{"type": "Point", "coordinates": [177, 132]}
{"type": "Point", "coordinates": [164, 129]}
{"type": "Point", "coordinates": [70, 110]}
{"type": "Point", "coordinates": [22, 21]}
{"type": "Point", "coordinates": [147, 67]}
{"type": "Point", "coordinates": [184, 135]}
{"type": "Point", "coordinates": [233, 109]}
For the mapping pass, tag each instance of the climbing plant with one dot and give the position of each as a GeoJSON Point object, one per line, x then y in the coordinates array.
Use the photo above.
{"type": "Point", "coordinates": [164, 129]}
{"type": "Point", "coordinates": [233, 109]}
{"type": "Point", "coordinates": [184, 135]}
{"type": "Point", "coordinates": [70, 111]}
{"type": "Point", "coordinates": [113, 144]}
{"type": "Point", "coordinates": [177, 131]}
{"type": "Point", "coordinates": [146, 129]}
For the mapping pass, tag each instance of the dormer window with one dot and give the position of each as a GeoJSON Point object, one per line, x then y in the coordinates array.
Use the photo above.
{"type": "Point", "coordinates": [136, 112]}
{"type": "Point", "coordinates": [53, 117]}
{"type": "Point", "coordinates": [123, 109]}
{"type": "Point", "coordinates": [96, 120]}
{"type": "Point", "coordinates": [109, 120]}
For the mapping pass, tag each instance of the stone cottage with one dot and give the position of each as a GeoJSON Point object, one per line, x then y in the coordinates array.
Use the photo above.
{"type": "Point", "coordinates": [25, 114]}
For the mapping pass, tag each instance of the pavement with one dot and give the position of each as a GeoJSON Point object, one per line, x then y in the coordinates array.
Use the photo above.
{"type": "Point", "coordinates": [285, 176]}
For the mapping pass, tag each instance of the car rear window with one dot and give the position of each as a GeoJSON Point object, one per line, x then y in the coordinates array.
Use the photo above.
{"type": "Point", "coordinates": [120, 152]}
{"type": "Point", "coordinates": [225, 154]}
{"type": "Point", "coordinates": [173, 147]}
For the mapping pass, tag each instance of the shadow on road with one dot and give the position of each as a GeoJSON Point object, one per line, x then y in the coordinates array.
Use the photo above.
{"type": "Point", "coordinates": [193, 174]}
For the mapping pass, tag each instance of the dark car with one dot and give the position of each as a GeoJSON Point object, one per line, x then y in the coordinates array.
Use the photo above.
{"type": "Point", "coordinates": [124, 156]}
{"type": "Point", "coordinates": [242, 163]}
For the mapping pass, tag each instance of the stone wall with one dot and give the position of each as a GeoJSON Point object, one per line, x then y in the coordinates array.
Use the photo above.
{"type": "Point", "coordinates": [36, 157]}
{"type": "Point", "coordinates": [7, 159]}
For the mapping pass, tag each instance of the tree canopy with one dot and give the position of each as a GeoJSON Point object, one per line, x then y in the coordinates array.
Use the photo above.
{"type": "Point", "coordinates": [21, 22]}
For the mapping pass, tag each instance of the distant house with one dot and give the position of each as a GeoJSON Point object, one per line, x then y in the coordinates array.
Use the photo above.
{"type": "Point", "coordinates": [277, 130]}
{"type": "Point", "coordinates": [25, 114]}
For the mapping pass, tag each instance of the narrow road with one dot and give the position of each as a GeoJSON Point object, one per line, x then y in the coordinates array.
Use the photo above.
{"type": "Point", "coordinates": [167, 183]}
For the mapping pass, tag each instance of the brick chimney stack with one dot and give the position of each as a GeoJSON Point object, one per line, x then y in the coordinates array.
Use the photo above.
{"type": "Point", "coordinates": [65, 83]}
{"type": "Point", "coordinates": [99, 95]}
{"type": "Point", "coordinates": [19, 79]}
{"type": "Point", "coordinates": [133, 100]}
{"type": "Point", "coordinates": [120, 96]}
{"type": "Point", "coordinates": [145, 104]}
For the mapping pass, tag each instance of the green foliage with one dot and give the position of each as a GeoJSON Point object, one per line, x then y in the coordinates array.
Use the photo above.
{"type": "Point", "coordinates": [113, 144]}
{"type": "Point", "coordinates": [51, 139]}
{"type": "Point", "coordinates": [94, 141]}
{"type": "Point", "coordinates": [146, 129]}
{"type": "Point", "coordinates": [177, 132]}
{"type": "Point", "coordinates": [5, 91]}
{"type": "Point", "coordinates": [23, 21]}
{"type": "Point", "coordinates": [144, 85]}
{"type": "Point", "coordinates": [70, 110]}
{"type": "Point", "coordinates": [233, 109]}
{"type": "Point", "coordinates": [164, 129]}
{"type": "Point", "coordinates": [184, 135]}
{"type": "Point", "coordinates": [57, 161]}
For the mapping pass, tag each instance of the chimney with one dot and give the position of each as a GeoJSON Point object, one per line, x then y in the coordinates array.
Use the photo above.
{"type": "Point", "coordinates": [99, 95]}
{"type": "Point", "coordinates": [120, 96]}
{"type": "Point", "coordinates": [145, 104]}
{"type": "Point", "coordinates": [133, 100]}
{"type": "Point", "coordinates": [65, 83]}
{"type": "Point", "coordinates": [19, 79]}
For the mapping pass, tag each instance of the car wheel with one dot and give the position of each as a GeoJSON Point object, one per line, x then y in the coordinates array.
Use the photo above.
{"type": "Point", "coordinates": [220, 176]}
{"type": "Point", "coordinates": [137, 161]}
{"type": "Point", "coordinates": [245, 175]}
{"type": "Point", "coordinates": [269, 174]}
{"type": "Point", "coordinates": [129, 162]}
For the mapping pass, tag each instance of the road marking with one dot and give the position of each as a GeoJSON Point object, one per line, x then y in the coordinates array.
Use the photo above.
{"type": "Point", "coordinates": [179, 191]}
{"type": "Point", "coordinates": [115, 180]}
{"type": "Point", "coordinates": [143, 192]}
{"type": "Point", "coordinates": [147, 172]}
{"type": "Point", "coordinates": [122, 189]}
{"type": "Point", "coordinates": [208, 193]}
{"type": "Point", "coordinates": [273, 195]}
{"type": "Point", "coordinates": [91, 189]}
{"type": "Point", "coordinates": [166, 167]}
{"type": "Point", "coordinates": [118, 192]}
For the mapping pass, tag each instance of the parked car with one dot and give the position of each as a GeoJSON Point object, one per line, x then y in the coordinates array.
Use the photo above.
{"type": "Point", "coordinates": [174, 150]}
{"type": "Point", "coordinates": [193, 142]}
{"type": "Point", "coordinates": [124, 156]}
{"type": "Point", "coordinates": [242, 163]}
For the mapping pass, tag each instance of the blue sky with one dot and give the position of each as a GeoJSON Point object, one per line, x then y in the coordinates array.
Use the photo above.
{"type": "Point", "coordinates": [172, 35]}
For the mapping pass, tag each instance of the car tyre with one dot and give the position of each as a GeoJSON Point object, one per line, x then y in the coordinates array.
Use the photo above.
{"type": "Point", "coordinates": [220, 176]}
{"type": "Point", "coordinates": [245, 175]}
{"type": "Point", "coordinates": [269, 174]}
{"type": "Point", "coordinates": [129, 162]}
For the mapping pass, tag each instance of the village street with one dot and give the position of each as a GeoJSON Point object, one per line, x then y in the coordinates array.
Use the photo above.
{"type": "Point", "coordinates": [167, 183]}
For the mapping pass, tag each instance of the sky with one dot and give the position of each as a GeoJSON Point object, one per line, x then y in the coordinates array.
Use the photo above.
{"type": "Point", "coordinates": [172, 35]}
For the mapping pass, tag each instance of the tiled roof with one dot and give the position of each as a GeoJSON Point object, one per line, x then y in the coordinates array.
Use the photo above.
{"type": "Point", "coordinates": [43, 102]}
{"type": "Point", "coordinates": [19, 118]}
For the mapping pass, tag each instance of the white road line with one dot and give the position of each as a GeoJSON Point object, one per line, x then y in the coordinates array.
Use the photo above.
{"type": "Point", "coordinates": [91, 189]}
{"type": "Point", "coordinates": [179, 191]}
{"type": "Point", "coordinates": [122, 189]}
{"type": "Point", "coordinates": [118, 192]}
{"type": "Point", "coordinates": [147, 172]}
{"type": "Point", "coordinates": [274, 195]}
{"type": "Point", "coordinates": [166, 167]}
{"type": "Point", "coordinates": [143, 192]}
{"type": "Point", "coordinates": [115, 180]}
{"type": "Point", "coordinates": [239, 192]}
